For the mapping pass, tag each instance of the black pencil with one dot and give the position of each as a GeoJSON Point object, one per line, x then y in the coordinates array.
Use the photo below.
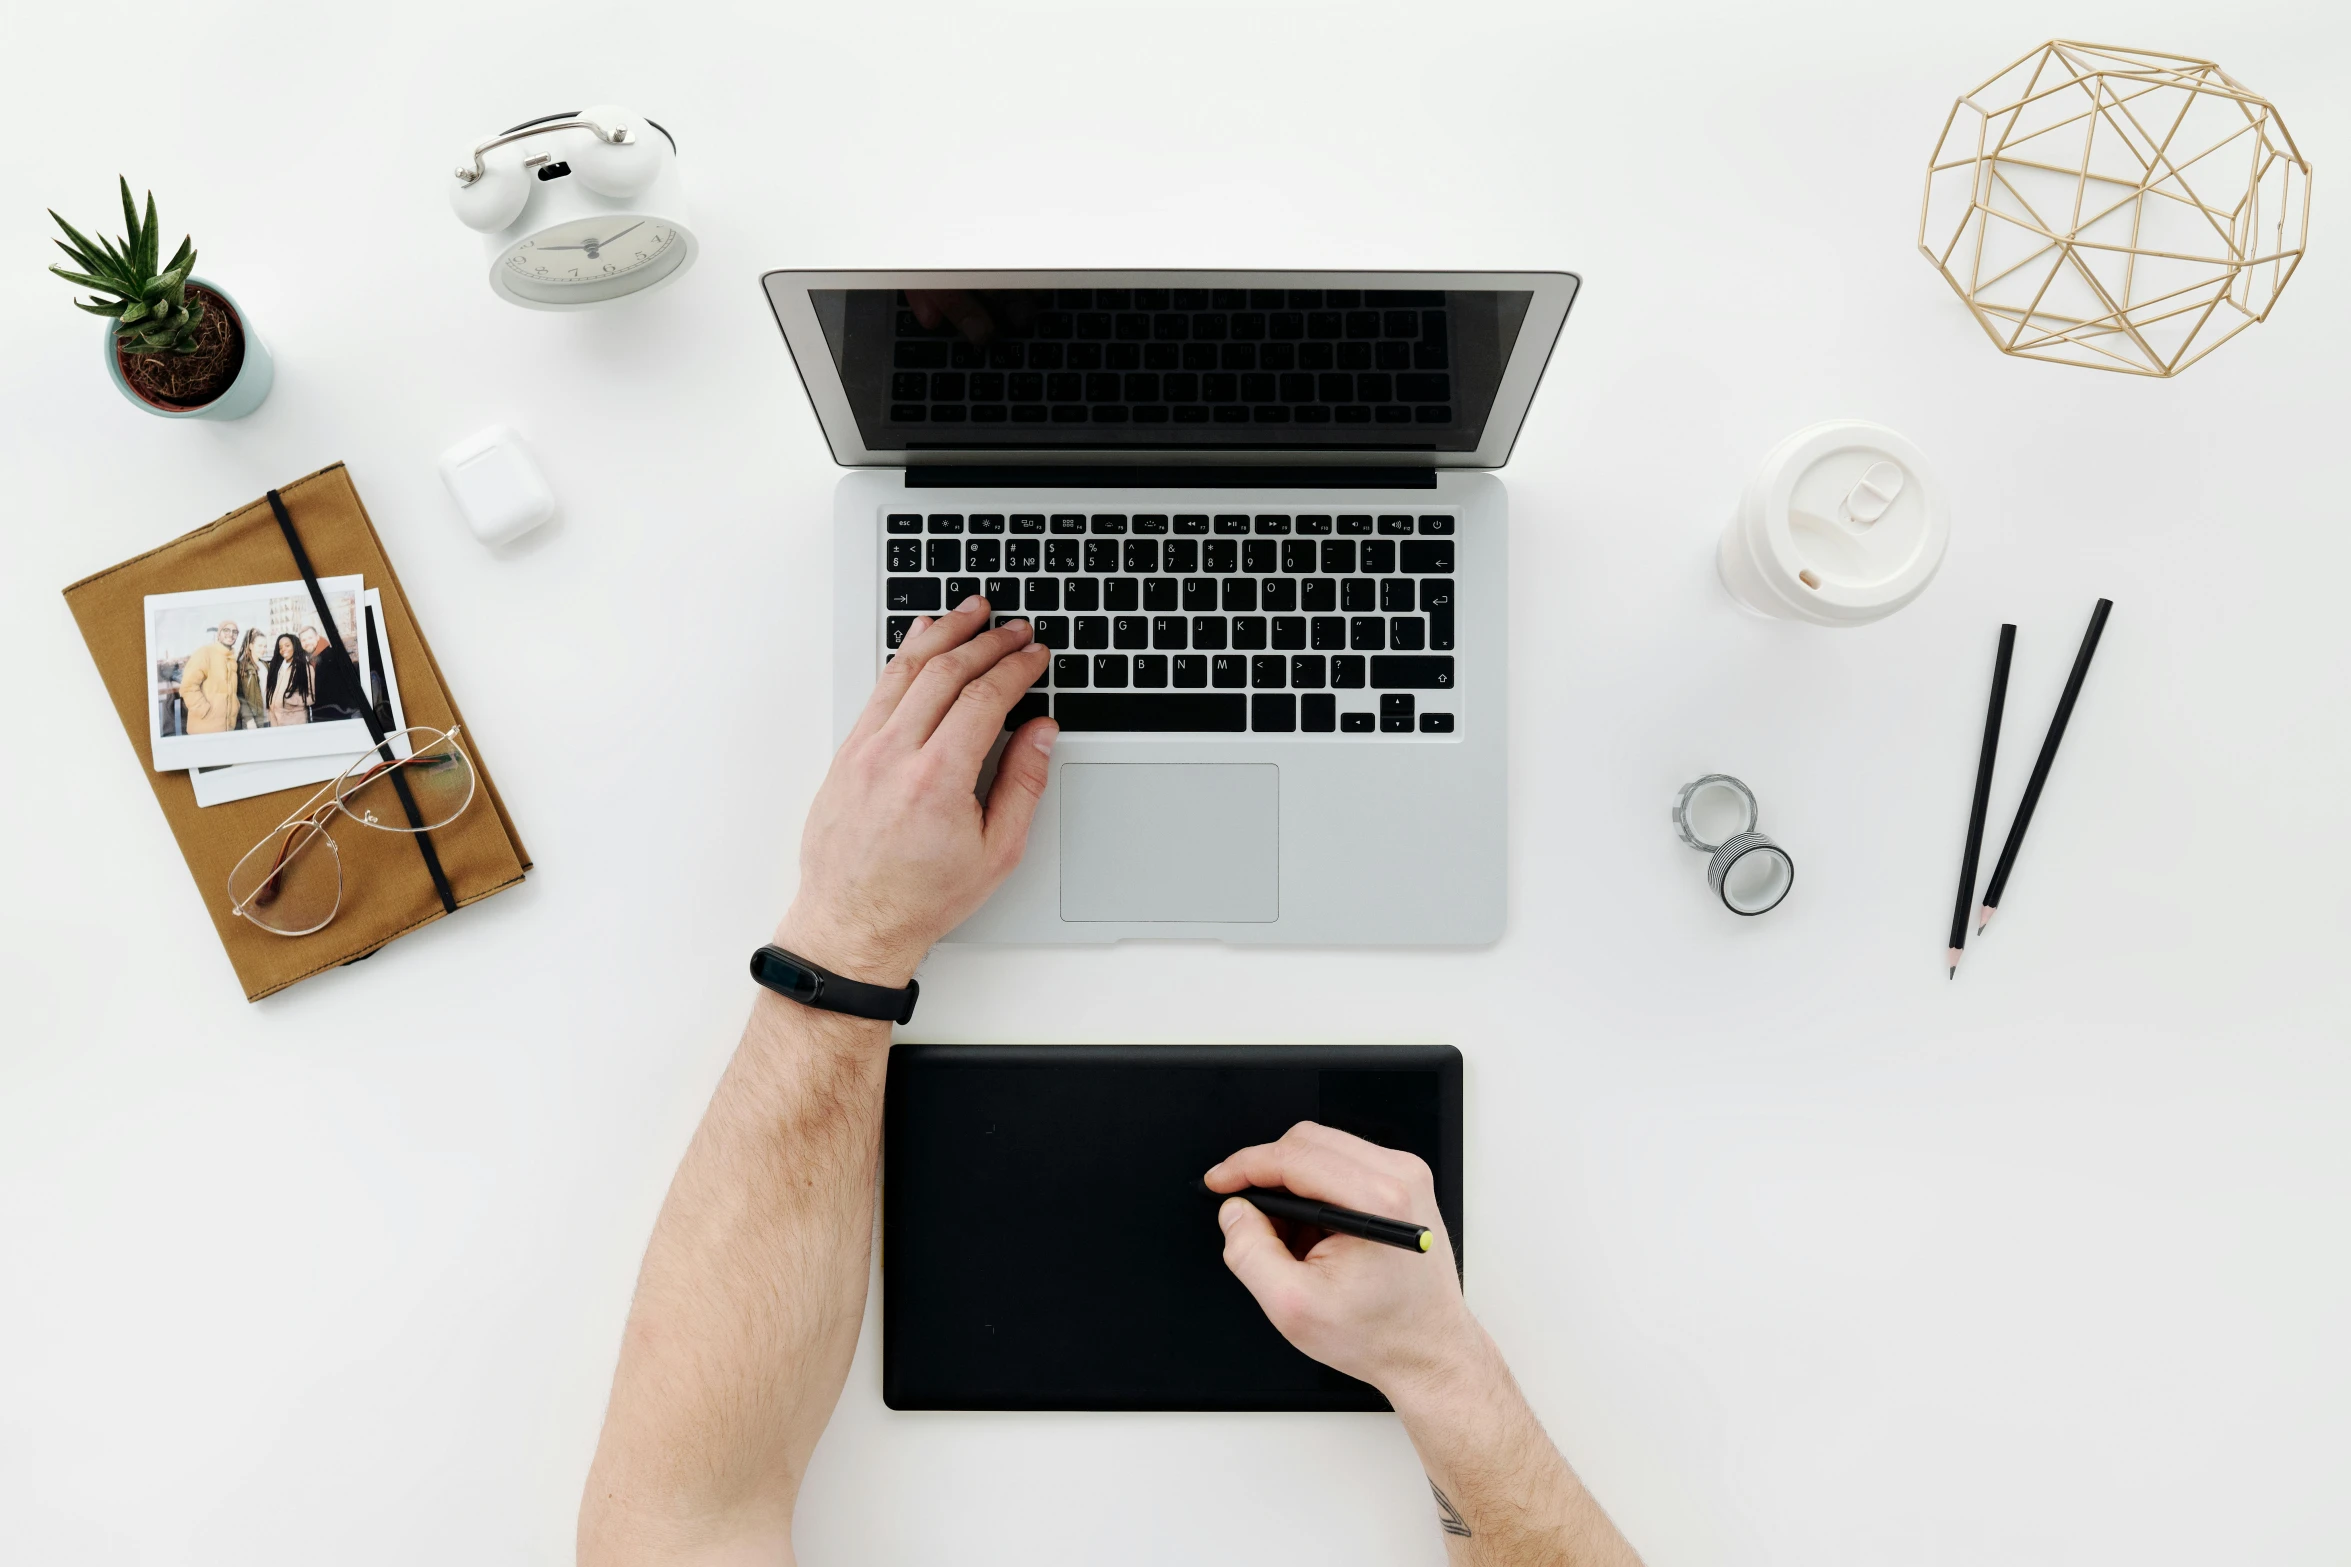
{"type": "Point", "coordinates": [2032, 788]}
{"type": "Point", "coordinates": [1983, 797]}
{"type": "Point", "coordinates": [1402, 1234]}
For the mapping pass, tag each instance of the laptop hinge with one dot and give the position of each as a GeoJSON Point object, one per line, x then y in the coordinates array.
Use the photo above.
{"type": "Point", "coordinates": [1093, 476]}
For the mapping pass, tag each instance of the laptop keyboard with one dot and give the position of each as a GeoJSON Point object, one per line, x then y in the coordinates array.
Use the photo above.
{"type": "Point", "coordinates": [1224, 623]}
{"type": "Point", "coordinates": [1160, 356]}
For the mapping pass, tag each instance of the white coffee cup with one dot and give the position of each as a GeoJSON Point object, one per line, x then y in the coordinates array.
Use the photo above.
{"type": "Point", "coordinates": [1843, 524]}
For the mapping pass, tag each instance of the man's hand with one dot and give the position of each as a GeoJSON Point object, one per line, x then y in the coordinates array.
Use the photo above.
{"type": "Point", "coordinates": [1386, 1316]}
{"type": "Point", "coordinates": [898, 850]}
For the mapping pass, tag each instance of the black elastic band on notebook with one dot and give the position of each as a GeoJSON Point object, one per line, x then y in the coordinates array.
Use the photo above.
{"type": "Point", "coordinates": [326, 619]}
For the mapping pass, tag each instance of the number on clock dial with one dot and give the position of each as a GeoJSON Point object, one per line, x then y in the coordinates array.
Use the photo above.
{"type": "Point", "coordinates": [589, 250]}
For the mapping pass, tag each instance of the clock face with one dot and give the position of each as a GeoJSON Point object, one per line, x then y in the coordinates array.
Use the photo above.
{"type": "Point", "coordinates": [592, 258]}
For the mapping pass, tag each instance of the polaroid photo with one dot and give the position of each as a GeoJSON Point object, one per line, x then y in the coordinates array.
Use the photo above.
{"type": "Point", "coordinates": [247, 675]}
{"type": "Point", "coordinates": [243, 780]}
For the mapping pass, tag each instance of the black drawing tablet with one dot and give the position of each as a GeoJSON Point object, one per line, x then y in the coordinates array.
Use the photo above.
{"type": "Point", "coordinates": [1045, 1244]}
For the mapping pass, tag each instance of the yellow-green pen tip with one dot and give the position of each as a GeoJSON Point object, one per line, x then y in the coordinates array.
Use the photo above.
{"type": "Point", "coordinates": [1424, 1240]}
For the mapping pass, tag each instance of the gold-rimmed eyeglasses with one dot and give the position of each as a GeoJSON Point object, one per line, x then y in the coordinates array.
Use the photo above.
{"type": "Point", "coordinates": [291, 882]}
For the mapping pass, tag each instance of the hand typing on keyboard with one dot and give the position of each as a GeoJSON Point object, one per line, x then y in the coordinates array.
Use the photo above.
{"type": "Point", "coordinates": [898, 851]}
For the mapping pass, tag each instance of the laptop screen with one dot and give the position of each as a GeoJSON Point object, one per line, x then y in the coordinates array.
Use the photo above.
{"type": "Point", "coordinates": [1226, 363]}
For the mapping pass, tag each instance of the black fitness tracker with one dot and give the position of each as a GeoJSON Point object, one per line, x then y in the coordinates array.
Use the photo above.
{"type": "Point", "coordinates": [812, 986]}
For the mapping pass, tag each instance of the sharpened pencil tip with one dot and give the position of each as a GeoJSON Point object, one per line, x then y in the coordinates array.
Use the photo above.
{"type": "Point", "coordinates": [1984, 915]}
{"type": "Point", "coordinates": [1954, 956]}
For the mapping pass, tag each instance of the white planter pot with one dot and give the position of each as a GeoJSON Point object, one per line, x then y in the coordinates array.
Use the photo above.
{"type": "Point", "coordinates": [244, 394]}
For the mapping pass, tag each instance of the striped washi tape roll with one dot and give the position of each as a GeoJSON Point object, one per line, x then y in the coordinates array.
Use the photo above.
{"type": "Point", "coordinates": [1750, 873]}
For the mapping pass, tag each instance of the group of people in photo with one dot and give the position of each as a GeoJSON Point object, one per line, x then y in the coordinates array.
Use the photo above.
{"type": "Point", "coordinates": [261, 682]}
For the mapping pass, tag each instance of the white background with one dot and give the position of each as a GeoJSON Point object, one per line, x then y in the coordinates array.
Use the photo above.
{"type": "Point", "coordinates": [1805, 1254]}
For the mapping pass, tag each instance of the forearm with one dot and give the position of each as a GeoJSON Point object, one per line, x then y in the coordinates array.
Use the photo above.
{"type": "Point", "coordinates": [747, 1309]}
{"type": "Point", "coordinates": [1504, 1495]}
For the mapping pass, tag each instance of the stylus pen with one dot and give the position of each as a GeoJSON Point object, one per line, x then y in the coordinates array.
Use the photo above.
{"type": "Point", "coordinates": [1399, 1233]}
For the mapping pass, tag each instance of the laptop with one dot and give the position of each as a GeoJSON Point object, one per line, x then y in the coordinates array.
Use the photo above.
{"type": "Point", "coordinates": [1249, 514]}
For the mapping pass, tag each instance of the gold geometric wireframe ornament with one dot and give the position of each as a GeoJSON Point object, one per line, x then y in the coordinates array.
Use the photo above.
{"type": "Point", "coordinates": [2117, 209]}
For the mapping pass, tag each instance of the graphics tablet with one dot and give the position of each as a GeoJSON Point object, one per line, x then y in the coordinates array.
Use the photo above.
{"type": "Point", "coordinates": [1046, 1244]}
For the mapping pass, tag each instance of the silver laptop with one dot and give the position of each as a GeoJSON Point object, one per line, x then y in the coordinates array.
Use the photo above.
{"type": "Point", "coordinates": [1246, 511]}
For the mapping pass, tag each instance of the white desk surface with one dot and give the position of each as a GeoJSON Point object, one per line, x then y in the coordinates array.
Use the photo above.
{"type": "Point", "coordinates": [1805, 1254]}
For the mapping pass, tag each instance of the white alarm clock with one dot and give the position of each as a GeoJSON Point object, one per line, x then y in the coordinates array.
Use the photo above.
{"type": "Point", "coordinates": [578, 208]}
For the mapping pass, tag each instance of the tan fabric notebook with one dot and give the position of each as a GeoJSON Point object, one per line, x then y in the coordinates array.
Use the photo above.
{"type": "Point", "coordinates": [387, 890]}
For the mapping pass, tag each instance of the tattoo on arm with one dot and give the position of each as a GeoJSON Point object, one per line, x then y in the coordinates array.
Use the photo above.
{"type": "Point", "coordinates": [1449, 1516]}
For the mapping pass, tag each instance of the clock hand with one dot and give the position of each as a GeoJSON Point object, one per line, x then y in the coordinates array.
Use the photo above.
{"type": "Point", "coordinates": [631, 229]}
{"type": "Point", "coordinates": [560, 247]}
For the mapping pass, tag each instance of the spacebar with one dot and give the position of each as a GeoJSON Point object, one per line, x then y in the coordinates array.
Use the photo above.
{"type": "Point", "coordinates": [1220, 711]}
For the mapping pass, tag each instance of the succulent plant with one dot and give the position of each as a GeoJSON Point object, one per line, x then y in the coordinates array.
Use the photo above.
{"type": "Point", "coordinates": [149, 304]}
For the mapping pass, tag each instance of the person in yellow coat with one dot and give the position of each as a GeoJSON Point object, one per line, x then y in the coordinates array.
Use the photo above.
{"type": "Point", "coordinates": [208, 683]}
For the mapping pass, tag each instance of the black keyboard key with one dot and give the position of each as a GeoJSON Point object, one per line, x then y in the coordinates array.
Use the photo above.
{"type": "Point", "coordinates": [1043, 592]}
{"type": "Point", "coordinates": [1273, 524]}
{"type": "Point", "coordinates": [988, 523]}
{"type": "Point", "coordinates": [1061, 555]}
{"type": "Point", "coordinates": [1268, 672]}
{"type": "Point", "coordinates": [1081, 593]}
{"type": "Point", "coordinates": [1110, 670]}
{"type": "Point", "coordinates": [1379, 556]}
{"type": "Point", "coordinates": [1396, 596]}
{"type": "Point", "coordinates": [1093, 631]}
{"type": "Point", "coordinates": [1110, 522]}
{"type": "Point", "coordinates": [1298, 556]}
{"type": "Point", "coordinates": [1129, 632]}
{"type": "Point", "coordinates": [1355, 723]}
{"type": "Point", "coordinates": [905, 554]}
{"type": "Point", "coordinates": [1159, 594]}
{"type": "Point", "coordinates": [919, 594]}
{"type": "Point", "coordinates": [1226, 523]}
{"type": "Point", "coordinates": [943, 556]}
{"type": "Point", "coordinates": [1191, 522]}
{"type": "Point", "coordinates": [1396, 713]}
{"type": "Point", "coordinates": [1034, 705]}
{"type": "Point", "coordinates": [1151, 671]}
{"type": "Point", "coordinates": [1413, 672]}
{"type": "Point", "coordinates": [1407, 633]}
{"type": "Point", "coordinates": [1440, 612]}
{"type": "Point", "coordinates": [1318, 595]}
{"type": "Point", "coordinates": [1101, 554]}
{"type": "Point", "coordinates": [1240, 595]}
{"type": "Point", "coordinates": [1314, 524]}
{"type": "Point", "coordinates": [1367, 633]}
{"type": "Point", "coordinates": [1170, 712]}
{"type": "Point", "coordinates": [1429, 555]}
{"type": "Point", "coordinates": [1069, 522]}
{"type": "Point", "coordinates": [1023, 555]}
{"type": "Point", "coordinates": [1358, 596]}
{"type": "Point", "coordinates": [1354, 523]}
{"type": "Point", "coordinates": [1436, 723]}
{"type": "Point", "coordinates": [1395, 525]}
{"type": "Point", "coordinates": [1191, 670]}
{"type": "Point", "coordinates": [1199, 594]}
{"type": "Point", "coordinates": [1260, 556]}
{"type": "Point", "coordinates": [895, 633]}
{"type": "Point", "coordinates": [1279, 595]}
{"type": "Point", "coordinates": [984, 556]}
{"type": "Point", "coordinates": [1180, 557]}
{"type": "Point", "coordinates": [1221, 556]}
{"type": "Point", "coordinates": [904, 522]}
{"type": "Point", "coordinates": [1318, 713]}
{"type": "Point", "coordinates": [1307, 671]}
{"type": "Point", "coordinates": [1272, 714]}
{"type": "Point", "coordinates": [946, 522]}
{"type": "Point", "coordinates": [1069, 669]}
{"type": "Point", "coordinates": [1228, 671]}
{"type": "Point", "coordinates": [1121, 593]}
{"type": "Point", "coordinates": [961, 588]}
{"type": "Point", "coordinates": [1208, 632]}
{"type": "Point", "coordinates": [1248, 632]}
{"type": "Point", "coordinates": [1152, 523]}
{"type": "Point", "coordinates": [1169, 631]}
{"type": "Point", "coordinates": [1052, 630]}
{"type": "Point", "coordinates": [1141, 556]}
{"type": "Point", "coordinates": [1347, 671]}
{"type": "Point", "coordinates": [1436, 525]}
{"type": "Point", "coordinates": [1338, 556]}
{"type": "Point", "coordinates": [1289, 632]}
{"type": "Point", "coordinates": [1003, 592]}
{"type": "Point", "coordinates": [1329, 633]}
{"type": "Point", "coordinates": [1028, 522]}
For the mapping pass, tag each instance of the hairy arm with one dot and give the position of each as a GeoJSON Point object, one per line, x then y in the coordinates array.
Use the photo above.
{"type": "Point", "coordinates": [753, 1287]}
{"type": "Point", "coordinates": [1396, 1319]}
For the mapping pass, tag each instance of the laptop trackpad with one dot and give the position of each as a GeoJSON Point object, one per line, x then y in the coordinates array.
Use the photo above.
{"type": "Point", "coordinates": [1198, 842]}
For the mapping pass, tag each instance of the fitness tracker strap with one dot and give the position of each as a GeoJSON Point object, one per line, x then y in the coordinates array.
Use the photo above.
{"type": "Point", "coordinates": [812, 986]}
